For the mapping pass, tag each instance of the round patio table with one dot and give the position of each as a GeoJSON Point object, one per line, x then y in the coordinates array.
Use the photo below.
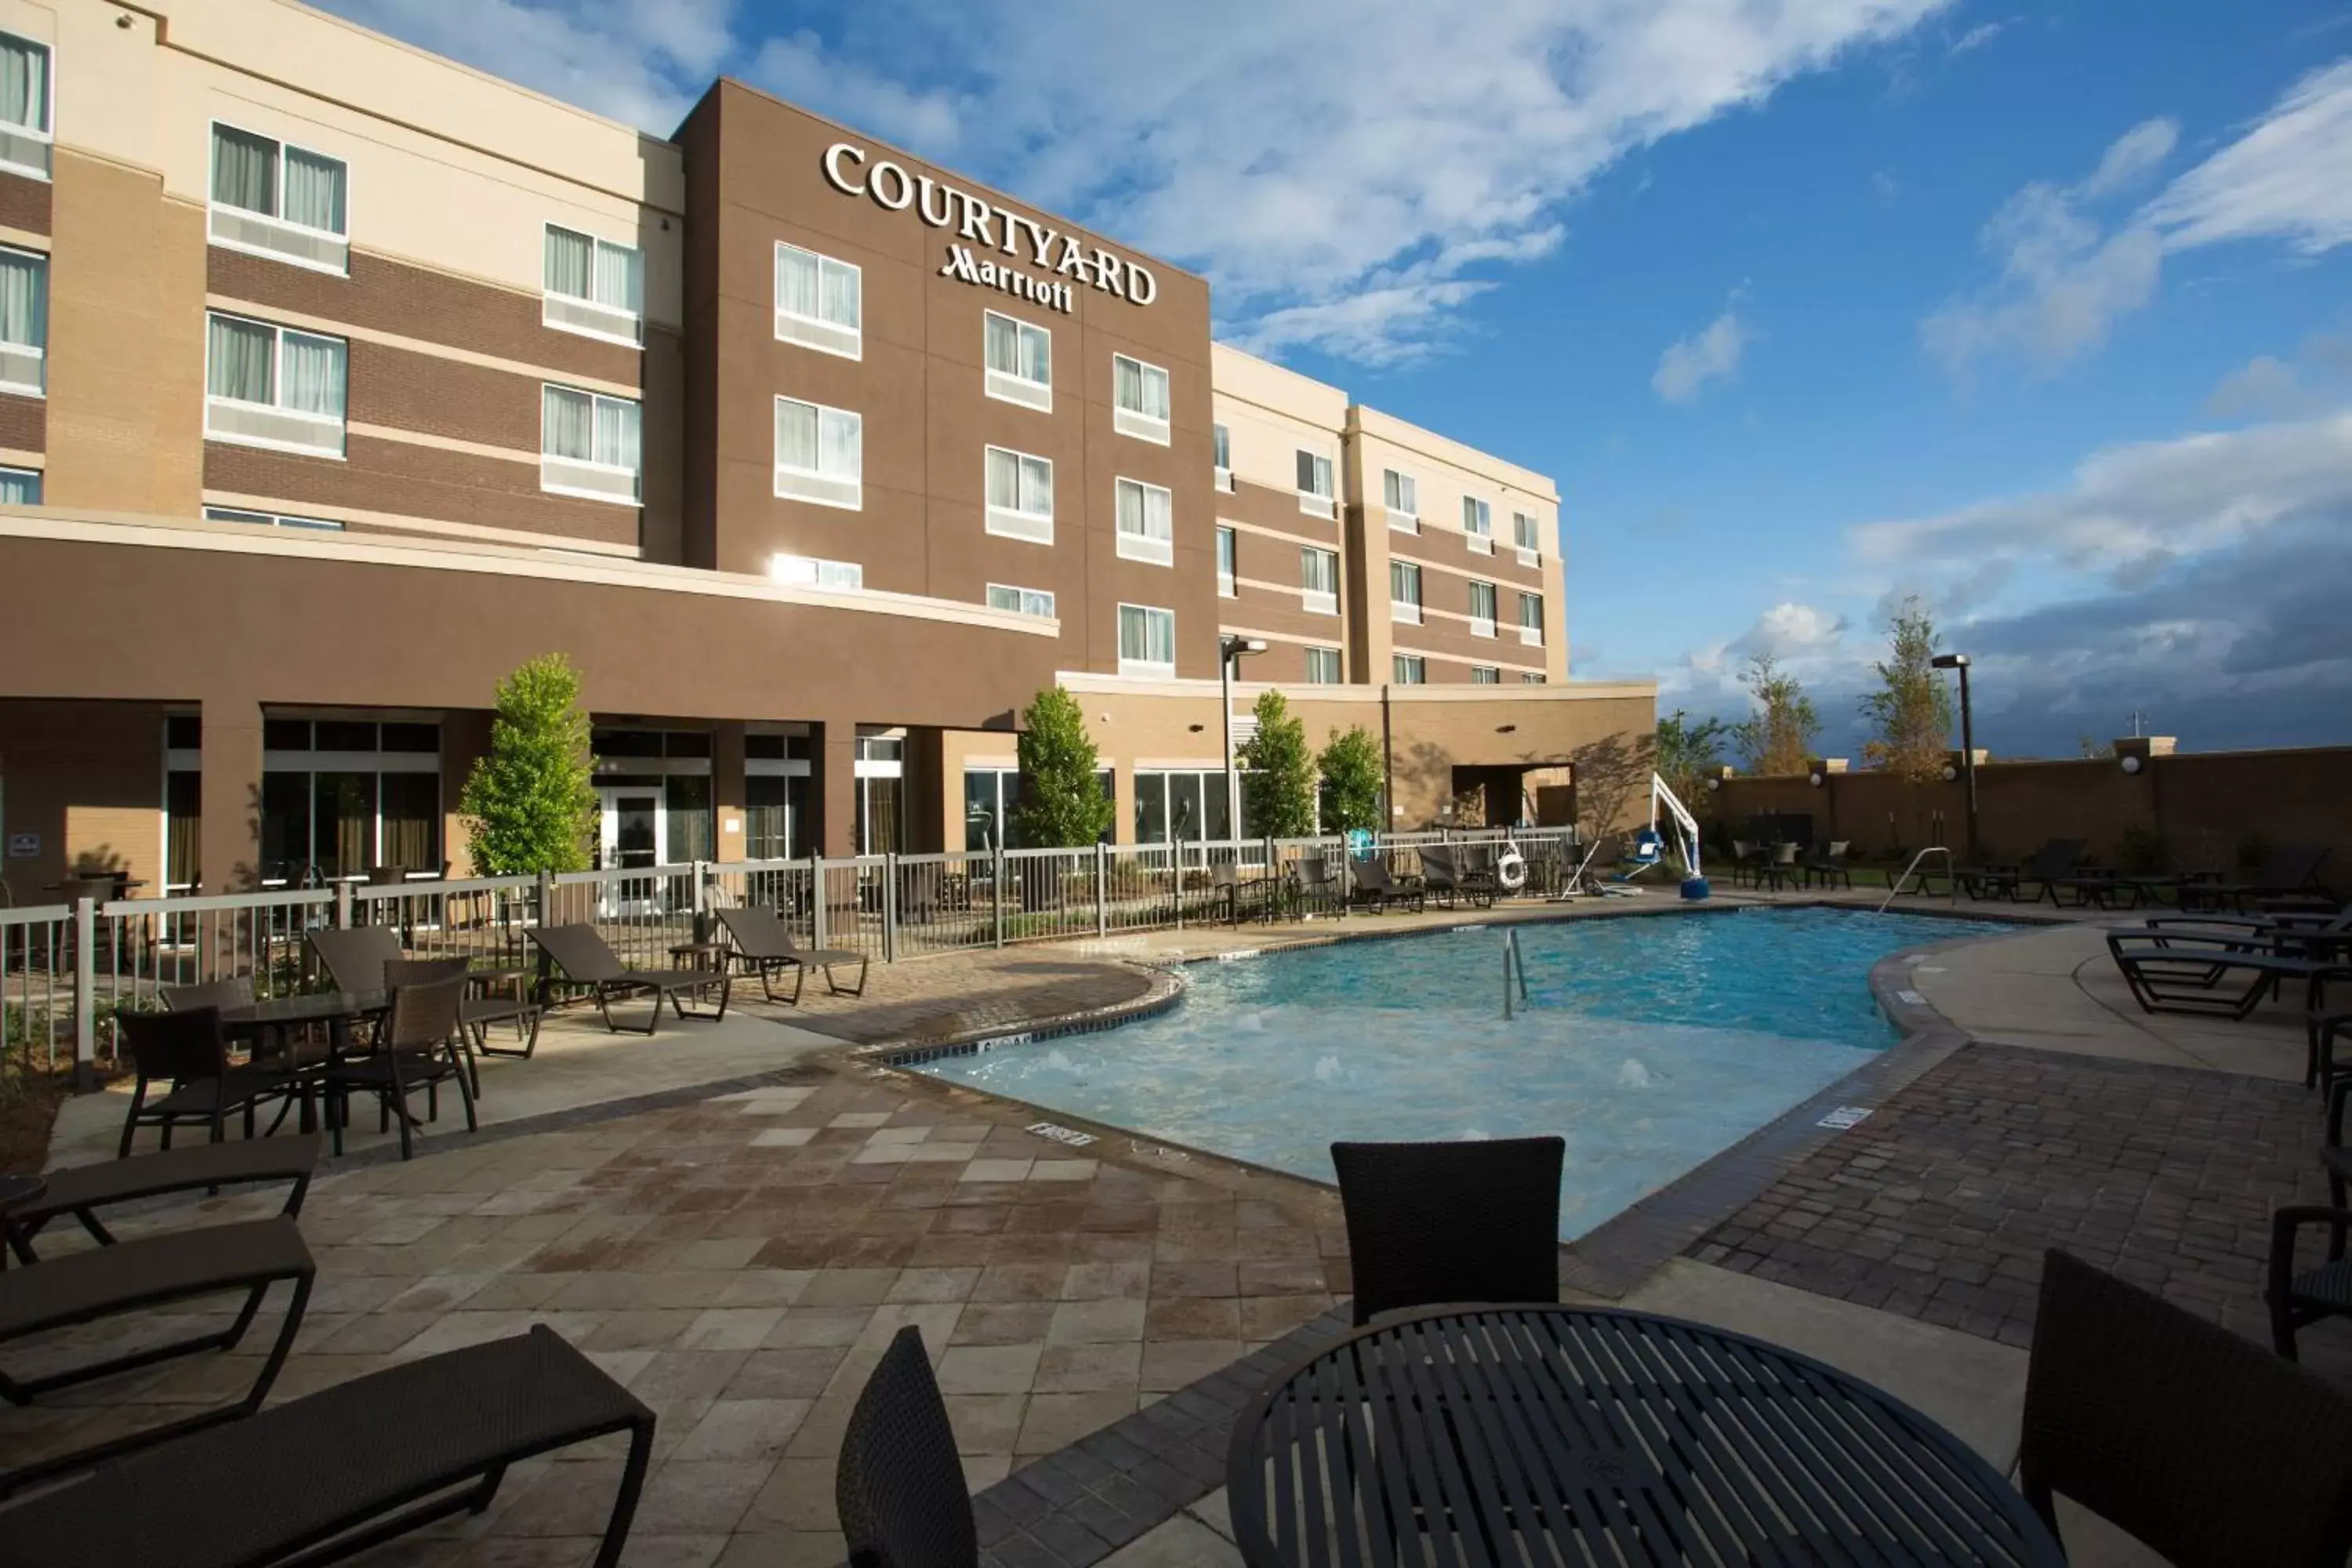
{"type": "Point", "coordinates": [1542, 1434]}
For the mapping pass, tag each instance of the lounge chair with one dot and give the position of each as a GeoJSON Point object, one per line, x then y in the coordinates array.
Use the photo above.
{"type": "Point", "coordinates": [585, 960]}
{"type": "Point", "coordinates": [2300, 1297]}
{"type": "Point", "coordinates": [417, 1046]}
{"type": "Point", "coordinates": [2054, 861]}
{"type": "Point", "coordinates": [1441, 879]}
{"type": "Point", "coordinates": [324, 1477]}
{"type": "Point", "coordinates": [133, 1276]}
{"type": "Point", "coordinates": [1409, 1210]}
{"type": "Point", "coordinates": [2177, 1431]}
{"type": "Point", "coordinates": [2179, 971]}
{"type": "Point", "coordinates": [354, 958]}
{"type": "Point", "coordinates": [763, 944]}
{"type": "Point", "coordinates": [899, 1488]}
{"type": "Point", "coordinates": [1319, 887]}
{"type": "Point", "coordinates": [1376, 888]}
{"type": "Point", "coordinates": [82, 1190]}
{"type": "Point", "coordinates": [2290, 872]}
{"type": "Point", "coordinates": [186, 1049]}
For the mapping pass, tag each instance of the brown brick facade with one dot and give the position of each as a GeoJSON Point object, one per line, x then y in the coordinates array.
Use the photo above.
{"type": "Point", "coordinates": [25, 204]}
{"type": "Point", "coordinates": [410, 480]}
{"type": "Point", "coordinates": [24, 423]}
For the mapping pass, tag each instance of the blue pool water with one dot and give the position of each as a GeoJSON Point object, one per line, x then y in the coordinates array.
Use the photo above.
{"type": "Point", "coordinates": [1651, 1046]}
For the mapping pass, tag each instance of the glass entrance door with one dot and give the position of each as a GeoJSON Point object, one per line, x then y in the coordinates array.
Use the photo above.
{"type": "Point", "coordinates": [630, 832]}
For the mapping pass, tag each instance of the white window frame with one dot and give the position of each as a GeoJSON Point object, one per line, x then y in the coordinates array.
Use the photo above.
{"type": "Point", "coordinates": [272, 220]}
{"type": "Point", "coordinates": [1017, 522]}
{"type": "Point", "coordinates": [799, 571]}
{"type": "Point", "coordinates": [37, 354]}
{"type": "Point", "coordinates": [1399, 663]}
{"type": "Point", "coordinates": [43, 135]}
{"type": "Point", "coordinates": [1531, 633]}
{"type": "Point", "coordinates": [251, 518]}
{"type": "Point", "coordinates": [1135, 421]}
{"type": "Point", "coordinates": [1405, 515]}
{"type": "Point", "coordinates": [1317, 600]}
{"type": "Point", "coordinates": [817, 477]}
{"type": "Point", "coordinates": [1338, 672]}
{"type": "Point", "coordinates": [826, 337]}
{"type": "Point", "coordinates": [1229, 562]}
{"type": "Point", "coordinates": [1038, 601]}
{"type": "Point", "coordinates": [1530, 554]}
{"type": "Point", "coordinates": [1406, 611]}
{"type": "Point", "coordinates": [1221, 450]}
{"type": "Point", "coordinates": [1478, 525]}
{"type": "Point", "coordinates": [1155, 550]}
{"type": "Point", "coordinates": [278, 383]}
{"type": "Point", "coordinates": [1318, 503]}
{"type": "Point", "coordinates": [40, 477]}
{"type": "Point", "coordinates": [1144, 668]}
{"type": "Point", "coordinates": [1011, 386]}
{"type": "Point", "coordinates": [1533, 677]}
{"type": "Point", "coordinates": [551, 479]}
{"type": "Point", "coordinates": [1485, 675]}
{"type": "Point", "coordinates": [628, 327]}
{"type": "Point", "coordinates": [1484, 625]}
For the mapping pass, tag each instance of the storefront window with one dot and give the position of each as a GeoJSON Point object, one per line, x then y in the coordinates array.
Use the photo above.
{"type": "Point", "coordinates": [1190, 806]}
{"type": "Point", "coordinates": [772, 816]}
{"type": "Point", "coordinates": [687, 802]}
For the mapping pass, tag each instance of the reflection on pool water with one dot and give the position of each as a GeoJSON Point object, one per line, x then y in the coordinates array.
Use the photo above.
{"type": "Point", "coordinates": [1651, 1044]}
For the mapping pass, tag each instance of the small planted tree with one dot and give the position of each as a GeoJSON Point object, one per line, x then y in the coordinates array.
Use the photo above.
{"type": "Point", "coordinates": [1280, 797]}
{"type": "Point", "coordinates": [1778, 737]}
{"type": "Point", "coordinates": [1351, 764]}
{"type": "Point", "coordinates": [1686, 751]}
{"type": "Point", "coordinates": [529, 802]}
{"type": "Point", "coordinates": [1062, 805]}
{"type": "Point", "coordinates": [1911, 712]}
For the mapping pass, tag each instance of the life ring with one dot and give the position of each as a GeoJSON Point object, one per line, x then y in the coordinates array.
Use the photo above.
{"type": "Point", "coordinates": [1511, 869]}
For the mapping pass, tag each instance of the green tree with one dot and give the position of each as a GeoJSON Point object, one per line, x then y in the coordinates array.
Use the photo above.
{"type": "Point", "coordinates": [1912, 709]}
{"type": "Point", "coordinates": [1778, 738]}
{"type": "Point", "coordinates": [1062, 804]}
{"type": "Point", "coordinates": [1351, 765]}
{"type": "Point", "coordinates": [1687, 752]}
{"type": "Point", "coordinates": [530, 800]}
{"type": "Point", "coordinates": [1278, 795]}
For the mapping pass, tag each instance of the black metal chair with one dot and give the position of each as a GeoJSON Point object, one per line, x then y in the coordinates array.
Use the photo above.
{"type": "Point", "coordinates": [1431, 1224]}
{"type": "Point", "coordinates": [421, 1044]}
{"type": "Point", "coordinates": [899, 1488]}
{"type": "Point", "coordinates": [1827, 866]}
{"type": "Point", "coordinates": [2176, 1430]}
{"type": "Point", "coordinates": [185, 1049]}
{"type": "Point", "coordinates": [1778, 869]}
{"type": "Point", "coordinates": [585, 960]}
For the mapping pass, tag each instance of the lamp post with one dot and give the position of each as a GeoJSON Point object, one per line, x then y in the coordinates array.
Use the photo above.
{"type": "Point", "coordinates": [1231, 651]}
{"type": "Point", "coordinates": [1960, 661]}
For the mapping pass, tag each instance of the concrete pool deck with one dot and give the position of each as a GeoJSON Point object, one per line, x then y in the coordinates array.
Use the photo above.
{"type": "Point", "coordinates": [741, 1261]}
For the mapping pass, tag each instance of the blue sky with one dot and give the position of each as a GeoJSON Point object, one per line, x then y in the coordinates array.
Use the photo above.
{"type": "Point", "coordinates": [2041, 313]}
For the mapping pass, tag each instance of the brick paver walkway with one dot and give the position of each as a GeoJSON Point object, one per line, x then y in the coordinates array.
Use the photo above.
{"type": "Point", "coordinates": [1938, 1207]}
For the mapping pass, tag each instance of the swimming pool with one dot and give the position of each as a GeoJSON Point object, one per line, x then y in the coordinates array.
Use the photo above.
{"type": "Point", "coordinates": [1651, 1044]}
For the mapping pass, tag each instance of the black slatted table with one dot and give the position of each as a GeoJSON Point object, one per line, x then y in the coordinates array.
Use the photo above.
{"type": "Point", "coordinates": [1536, 1436]}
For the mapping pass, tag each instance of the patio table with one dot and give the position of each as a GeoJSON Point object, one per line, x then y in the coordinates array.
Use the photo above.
{"type": "Point", "coordinates": [1493, 1435]}
{"type": "Point", "coordinates": [338, 1010]}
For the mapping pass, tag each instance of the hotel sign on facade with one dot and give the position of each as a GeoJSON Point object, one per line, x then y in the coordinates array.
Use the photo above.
{"type": "Point", "coordinates": [981, 231]}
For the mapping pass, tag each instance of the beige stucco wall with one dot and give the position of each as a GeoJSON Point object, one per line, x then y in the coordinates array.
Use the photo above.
{"type": "Point", "coordinates": [1270, 412]}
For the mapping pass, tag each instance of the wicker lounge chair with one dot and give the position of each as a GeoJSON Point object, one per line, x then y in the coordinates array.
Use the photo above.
{"type": "Point", "coordinates": [186, 1049]}
{"type": "Point", "coordinates": [354, 959]}
{"type": "Point", "coordinates": [1377, 888]}
{"type": "Point", "coordinates": [82, 1190]}
{"type": "Point", "coordinates": [1408, 1209]}
{"type": "Point", "coordinates": [899, 1489]}
{"type": "Point", "coordinates": [2178, 971]}
{"type": "Point", "coordinates": [327, 1475]}
{"type": "Point", "coordinates": [583, 958]}
{"type": "Point", "coordinates": [763, 944]}
{"type": "Point", "coordinates": [2176, 1430]}
{"type": "Point", "coordinates": [152, 1271]}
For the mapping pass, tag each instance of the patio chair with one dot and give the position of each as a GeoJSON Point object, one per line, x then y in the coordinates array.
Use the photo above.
{"type": "Point", "coordinates": [1245, 897]}
{"type": "Point", "coordinates": [898, 1487]}
{"type": "Point", "coordinates": [417, 1046]}
{"type": "Point", "coordinates": [2290, 871]}
{"type": "Point", "coordinates": [1319, 887]}
{"type": "Point", "coordinates": [1473, 865]}
{"type": "Point", "coordinates": [82, 1190]}
{"type": "Point", "coordinates": [185, 1047]}
{"type": "Point", "coordinates": [1778, 870]}
{"type": "Point", "coordinates": [2180, 1432]}
{"type": "Point", "coordinates": [155, 1271]}
{"type": "Point", "coordinates": [585, 960]}
{"type": "Point", "coordinates": [2178, 971]}
{"type": "Point", "coordinates": [2055, 858]}
{"type": "Point", "coordinates": [1439, 880]}
{"type": "Point", "coordinates": [1826, 866]}
{"type": "Point", "coordinates": [1409, 1227]}
{"type": "Point", "coordinates": [355, 958]}
{"type": "Point", "coordinates": [1746, 857]}
{"type": "Point", "coordinates": [1377, 888]}
{"type": "Point", "coordinates": [326, 1476]}
{"type": "Point", "coordinates": [763, 944]}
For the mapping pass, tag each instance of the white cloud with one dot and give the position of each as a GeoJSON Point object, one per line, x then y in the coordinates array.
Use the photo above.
{"type": "Point", "coordinates": [2289, 178]}
{"type": "Point", "coordinates": [798, 66]}
{"type": "Point", "coordinates": [1978, 37]}
{"type": "Point", "coordinates": [1791, 631]}
{"type": "Point", "coordinates": [1711, 354]}
{"type": "Point", "coordinates": [2132, 157]}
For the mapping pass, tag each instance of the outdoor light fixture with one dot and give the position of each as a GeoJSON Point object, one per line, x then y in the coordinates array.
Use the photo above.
{"type": "Point", "coordinates": [1714, 785]}
{"type": "Point", "coordinates": [2131, 764]}
{"type": "Point", "coordinates": [1960, 661]}
{"type": "Point", "coordinates": [1817, 776]}
{"type": "Point", "coordinates": [1950, 772]}
{"type": "Point", "coordinates": [1232, 650]}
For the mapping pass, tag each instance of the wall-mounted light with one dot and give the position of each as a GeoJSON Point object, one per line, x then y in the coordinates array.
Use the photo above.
{"type": "Point", "coordinates": [2131, 764]}
{"type": "Point", "coordinates": [1817, 776]}
{"type": "Point", "coordinates": [1950, 772]}
{"type": "Point", "coordinates": [1197, 728]}
{"type": "Point", "coordinates": [1507, 728]}
{"type": "Point", "coordinates": [1714, 785]}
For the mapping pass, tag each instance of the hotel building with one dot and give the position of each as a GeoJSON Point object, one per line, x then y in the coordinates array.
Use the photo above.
{"type": "Point", "coordinates": [336, 379]}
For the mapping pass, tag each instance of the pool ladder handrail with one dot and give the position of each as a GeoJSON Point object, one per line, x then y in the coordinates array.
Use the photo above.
{"type": "Point", "coordinates": [1514, 966]}
{"type": "Point", "coordinates": [1895, 887]}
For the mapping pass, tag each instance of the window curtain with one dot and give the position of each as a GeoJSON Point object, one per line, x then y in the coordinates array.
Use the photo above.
{"type": "Point", "coordinates": [839, 284]}
{"type": "Point", "coordinates": [1155, 394]}
{"type": "Point", "coordinates": [20, 486]}
{"type": "Point", "coordinates": [412, 821]}
{"type": "Point", "coordinates": [1003, 480]}
{"type": "Point", "coordinates": [569, 261]}
{"type": "Point", "coordinates": [1037, 351]}
{"type": "Point", "coordinates": [240, 359]}
{"type": "Point", "coordinates": [1531, 610]}
{"type": "Point", "coordinates": [796, 281]}
{"type": "Point", "coordinates": [244, 171]}
{"type": "Point", "coordinates": [1321, 569]}
{"type": "Point", "coordinates": [842, 456]}
{"type": "Point", "coordinates": [1156, 513]}
{"type": "Point", "coordinates": [1130, 632]}
{"type": "Point", "coordinates": [1523, 530]}
{"type": "Point", "coordinates": [24, 84]}
{"type": "Point", "coordinates": [620, 277]}
{"type": "Point", "coordinates": [567, 423]}
{"type": "Point", "coordinates": [312, 374]}
{"type": "Point", "coordinates": [1037, 486]}
{"type": "Point", "coordinates": [1404, 583]}
{"type": "Point", "coordinates": [1225, 448]}
{"type": "Point", "coordinates": [796, 436]}
{"type": "Point", "coordinates": [314, 190]}
{"type": "Point", "coordinates": [616, 433]}
{"type": "Point", "coordinates": [1481, 601]}
{"type": "Point", "coordinates": [24, 299]}
{"type": "Point", "coordinates": [1003, 345]}
{"type": "Point", "coordinates": [1129, 384]}
{"type": "Point", "coordinates": [1130, 508]}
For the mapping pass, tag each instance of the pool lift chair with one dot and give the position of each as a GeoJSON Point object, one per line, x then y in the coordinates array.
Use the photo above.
{"type": "Point", "coordinates": [1648, 849]}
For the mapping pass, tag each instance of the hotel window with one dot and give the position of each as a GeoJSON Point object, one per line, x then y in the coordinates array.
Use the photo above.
{"type": "Point", "coordinates": [588, 444]}
{"type": "Point", "coordinates": [1319, 580]}
{"type": "Point", "coordinates": [809, 572]}
{"type": "Point", "coordinates": [24, 321]}
{"type": "Point", "coordinates": [592, 286]}
{"type": "Point", "coordinates": [1531, 679]}
{"type": "Point", "coordinates": [1323, 667]}
{"type": "Point", "coordinates": [1224, 471]}
{"type": "Point", "coordinates": [1139, 399]}
{"type": "Point", "coordinates": [20, 486]}
{"type": "Point", "coordinates": [23, 106]}
{"type": "Point", "coordinates": [273, 387]}
{"type": "Point", "coordinates": [1485, 675]}
{"type": "Point", "coordinates": [820, 454]}
{"type": "Point", "coordinates": [1401, 497]}
{"type": "Point", "coordinates": [1145, 530]}
{"type": "Point", "coordinates": [342, 795]}
{"type": "Point", "coordinates": [1020, 360]}
{"type": "Point", "coordinates": [1404, 591]}
{"type": "Point", "coordinates": [1531, 619]}
{"type": "Point", "coordinates": [1147, 641]}
{"type": "Point", "coordinates": [1021, 601]}
{"type": "Point", "coordinates": [1478, 524]}
{"type": "Point", "coordinates": [775, 795]}
{"type": "Point", "coordinates": [1188, 803]}
{"type": "Point", "coordinates": [279, 200]}
{"type": "Point", "coordinates": [1407, 669]}
{"type": "Point", "coordinates": [1482, 609]}
{"type": "Point", "coordinates": [820, 302]}
{"type": "Point", "coordinates": [1228, 550]}
{"type": "Point", "coordinates": [269, 520]}
{"type": "Point", "coordinates": [1527, 534]}
{"type": "Point", "coordinates": [1020, 496]}
{"type": "Point", "coordinates": [1314, 484]}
